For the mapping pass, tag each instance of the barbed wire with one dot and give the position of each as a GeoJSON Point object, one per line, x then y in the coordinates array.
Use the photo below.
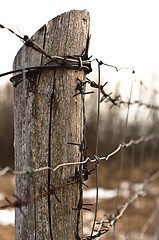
{"type": "Point", "coordinates": [19, 203]}
{"type": "Point", "coordinates": [117, 100]}
{"type": "Point", "coordinates": [139, 103]}
{"type": "Point", "coordinates": [73, 62]}
{"type": "Point", "coordinates": [81, 62]}
{"type": "Point", "coordinates": [96, 159]}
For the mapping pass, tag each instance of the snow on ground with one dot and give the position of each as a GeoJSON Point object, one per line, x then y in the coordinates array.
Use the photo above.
{"type": "Point", "coordinates": [124, 191]}
{"type": "Point", "coordinates": [7, 217]}
{"type": "Point", "coordinates": [102, 193]}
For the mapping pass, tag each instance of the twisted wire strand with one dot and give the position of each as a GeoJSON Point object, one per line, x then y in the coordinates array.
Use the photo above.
{"type": "Point", "coordinates": [121, 145]}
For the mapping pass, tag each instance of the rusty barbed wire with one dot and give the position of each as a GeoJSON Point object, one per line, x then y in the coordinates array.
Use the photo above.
{"type": "Point", "coordinates": [25, 39]}
{"type": "Point", "coordinates": [72, 62]}
{"type": "Point", "coordinates": [19, 203]}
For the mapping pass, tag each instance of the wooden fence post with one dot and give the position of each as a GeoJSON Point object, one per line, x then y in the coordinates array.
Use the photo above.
{"type": "Point", "coordinates": [46, 118]}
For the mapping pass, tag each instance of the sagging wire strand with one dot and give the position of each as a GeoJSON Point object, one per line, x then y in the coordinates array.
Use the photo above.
{"type": "Point", "coordinates": [96, 151]}
{"type": "Point", "coordinates": [82, 167]}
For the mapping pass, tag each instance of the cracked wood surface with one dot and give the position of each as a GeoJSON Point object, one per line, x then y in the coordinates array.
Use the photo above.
{"type": "Point", "coordinates": [46, 118]}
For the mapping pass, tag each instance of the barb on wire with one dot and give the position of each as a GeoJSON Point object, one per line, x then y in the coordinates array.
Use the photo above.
{"type": "Point", "coordinates": [52, 191]}
{"type": "Point", "coordinates": [19, 203]}
{"type": "Point", "coordinates": [27, 41]}
{"type": "Point", "coordinates": [105, 96]}
{"type": "Point", "coordinates": [84, 175]}
{"type": "Point", "coordinates": [117, 101]}
{"type": "Point", "coordinates": [97, 235]}
{"type": "Point", "coordinates": [81, 88]}
{"type": "Point", "coordinates": [81, 206]}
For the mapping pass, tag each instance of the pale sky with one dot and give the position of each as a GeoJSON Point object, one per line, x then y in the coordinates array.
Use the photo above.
{"type": "Point", "coordinates": [123, 32]}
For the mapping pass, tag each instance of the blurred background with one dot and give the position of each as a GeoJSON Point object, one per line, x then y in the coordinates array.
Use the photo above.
{"type": "Point", "coordinates": [123, 172]}
{"type": "Point", "coordinates": [123, 34]}
{"type": "Point", "coordinates": [6, 126]}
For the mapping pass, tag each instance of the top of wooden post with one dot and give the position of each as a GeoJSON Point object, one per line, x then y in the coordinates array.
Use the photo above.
{"type": "Point", "coordinates": [71, 40]}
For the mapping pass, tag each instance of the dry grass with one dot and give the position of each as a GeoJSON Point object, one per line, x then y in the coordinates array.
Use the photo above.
{"type": "Point", "coordinates": [7, 232]}
{"type": "Point", "coordinates": [6, 188]}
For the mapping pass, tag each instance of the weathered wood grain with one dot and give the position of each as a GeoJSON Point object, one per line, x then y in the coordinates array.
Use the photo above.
{"type": "Point", "coordinates": [46, 118]}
